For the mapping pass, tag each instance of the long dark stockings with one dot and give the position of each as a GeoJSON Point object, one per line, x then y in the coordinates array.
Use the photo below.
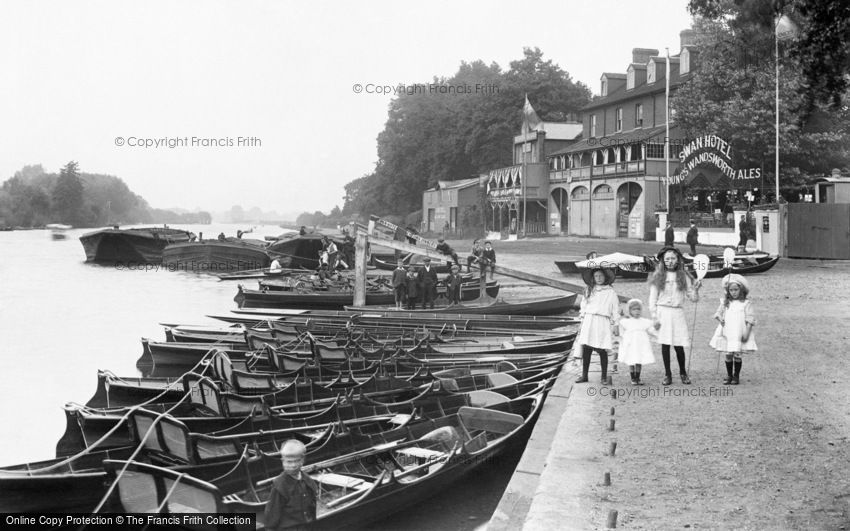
{"type": "Point", "coordinates": [680, 358]}
{"type": "Point", "coordinates": [586, 351]}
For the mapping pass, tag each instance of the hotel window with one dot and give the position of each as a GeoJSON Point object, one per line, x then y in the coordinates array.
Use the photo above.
{"type": "Point", "coordinates": [592, 125]}
{"type": "Point", "coordinates": [604, 88]}
{"type": "Point", "coordinates": [630, 78]}
{"type": "Point", "coordinates": [619, 119]}
{"type": "Point", "coordinates": [655, 151]}
{"type": "Point", "coordinates": [650, 72]}
{"type": "Point", "coordinates": [639, 115]}
{"type": "Point", "coordinates": [684, 61]}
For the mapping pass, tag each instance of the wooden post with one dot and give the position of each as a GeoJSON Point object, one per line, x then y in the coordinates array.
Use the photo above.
{"type": "Point", "coordinates": [606, 479]}
{"type": "Point", "coordinates": [612, 519]}
{"type": "Point", "coordinates": [360, 269]}
{"type": "Point", "coordinates": [483, 284]}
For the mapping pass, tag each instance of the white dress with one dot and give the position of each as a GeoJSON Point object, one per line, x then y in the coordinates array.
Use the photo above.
{"type": "Point", "coordinates": [599, 313]}
{"type": "Point", "coordinates": [727, 337]}
{"type": "Point", "coordinates": [635, 347]}
{"type": "Point", "coordinates": [667, 307]}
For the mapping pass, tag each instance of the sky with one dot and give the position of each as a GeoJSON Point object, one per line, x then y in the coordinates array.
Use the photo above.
{"type": "Point", "coordinates": [259, 99]}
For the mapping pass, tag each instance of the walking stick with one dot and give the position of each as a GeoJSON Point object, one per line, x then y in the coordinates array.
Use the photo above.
{"type": "Point", "coordinates": [701, 268]}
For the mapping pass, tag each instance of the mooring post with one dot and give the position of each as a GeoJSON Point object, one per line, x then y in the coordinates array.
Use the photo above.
{"type": "Point", "coordinates": [360, 269]}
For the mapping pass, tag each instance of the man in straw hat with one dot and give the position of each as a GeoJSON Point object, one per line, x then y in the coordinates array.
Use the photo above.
{"type": "Point", "coordinates": [600, 313]}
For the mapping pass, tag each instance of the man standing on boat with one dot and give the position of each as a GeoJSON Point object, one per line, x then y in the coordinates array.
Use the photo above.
{"type": "Point", "coordinates": [292, 501]}
{"type": "Point", "coordinates": [428, 283]}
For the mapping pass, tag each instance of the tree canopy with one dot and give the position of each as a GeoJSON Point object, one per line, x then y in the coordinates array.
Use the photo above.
{"type": "Point", "coordinates": [431, 136]}
{"type": "Point", "coordinates": [733, 96]}
{"type": "Point", "coordinates": [34, 197]}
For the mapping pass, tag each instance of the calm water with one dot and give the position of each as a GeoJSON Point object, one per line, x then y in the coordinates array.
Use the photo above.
{"type": "Point", "coordinates": [63, 319]}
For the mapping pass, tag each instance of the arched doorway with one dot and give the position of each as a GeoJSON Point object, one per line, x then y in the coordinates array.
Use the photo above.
{"type": "Point", "coordinates": [559, 211]}
{"type": "Point", "coordinates": [579, 211]}
{"type": "Point", "coordinates": [604, 216]}
{"type": "Point", "coordinates": [627, 197]}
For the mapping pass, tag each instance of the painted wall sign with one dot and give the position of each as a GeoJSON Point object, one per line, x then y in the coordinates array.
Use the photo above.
{"type": "Point", "coordinates": [711, 150]}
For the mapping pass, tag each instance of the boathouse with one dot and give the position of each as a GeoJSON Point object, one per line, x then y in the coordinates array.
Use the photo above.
{"type": "Point", "coordinates": [444, 206]}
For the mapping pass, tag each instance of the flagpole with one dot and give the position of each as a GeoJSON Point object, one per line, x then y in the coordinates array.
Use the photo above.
{"type": "Point", "coordinates": [776, 57]}
{"type": "Point", "coordinates": [667, 135]}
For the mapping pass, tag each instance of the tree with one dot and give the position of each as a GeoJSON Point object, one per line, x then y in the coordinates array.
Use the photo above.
{"type": "Point", "coordinates": [433, 135]}
{"type": "Point", "coordinates": [733, 96]}
{"type": "Point", "coordinates": [821, 51]}
{"type": "Point", "coordinates": [67, 196]}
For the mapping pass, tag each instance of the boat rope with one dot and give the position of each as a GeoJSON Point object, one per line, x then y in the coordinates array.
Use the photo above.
{"type": "Point", "coordinates": [121, 421]}
{"type": "Point", "coordinates": [138, 449]}
{"type": "Point", "coordinates": [232, 470]}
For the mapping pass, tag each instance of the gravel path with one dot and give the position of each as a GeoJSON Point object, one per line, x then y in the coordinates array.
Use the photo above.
{"type": "Point", "coordinates": [771, 453]}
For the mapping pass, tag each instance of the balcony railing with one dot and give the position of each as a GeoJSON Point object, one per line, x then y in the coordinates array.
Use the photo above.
{"type": "Point", "coordinates": [607, 170]}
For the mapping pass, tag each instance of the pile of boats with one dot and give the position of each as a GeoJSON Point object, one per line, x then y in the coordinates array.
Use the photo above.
{"type": "Point", "coordinates": [392, 407]}
{"type": "Point", "coordinates": [182, 250]}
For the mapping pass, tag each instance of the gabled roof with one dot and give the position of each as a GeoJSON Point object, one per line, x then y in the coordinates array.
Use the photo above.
{"type": "Point", "coordinates": [621, 94]}
{"type": "Point", "coordinates": [555, 131]}
{"type": "Point", "coordinates": [611, 75]}
{"type": "Point", "coordinates": [454, 185]}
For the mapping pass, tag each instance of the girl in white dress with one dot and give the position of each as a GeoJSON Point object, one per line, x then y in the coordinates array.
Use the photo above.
{"type": "Point", "coordinates": [600, 311]}
{"type": "Point", "coordinates": [668, 287]}
{"type": "Point", "coordinates": [734, 334]}
{"type": "Point", "coordinates": [635, 347]}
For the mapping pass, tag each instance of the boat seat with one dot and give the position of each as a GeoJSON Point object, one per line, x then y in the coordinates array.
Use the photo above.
{"type": "Point", "coordinates": [340, 480]}
{"type": "Point", "coordinates": [485, 398]}
{"type": "Point", "coordinates": [453, 373]}
{"type": "Point", "coordinates": [490, 420]}
{"type": "Point", "coordinates": [498, 379]}
{"type": "Point", "coordinates": [449, 384]}
{"type": "Point", "coordinates": [401, 418]}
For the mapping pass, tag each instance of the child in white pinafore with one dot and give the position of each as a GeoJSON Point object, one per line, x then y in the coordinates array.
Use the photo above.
{"type": "Point", "coordinates": [635, 347]}
{"type": "Point", "coordinates": [600, 311]}
{"type": "Point", "coordinates": [734, 334]}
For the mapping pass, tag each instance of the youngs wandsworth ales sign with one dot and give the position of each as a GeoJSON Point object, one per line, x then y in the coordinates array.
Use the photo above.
{"type": "Point", "coordinates": [710, 150]}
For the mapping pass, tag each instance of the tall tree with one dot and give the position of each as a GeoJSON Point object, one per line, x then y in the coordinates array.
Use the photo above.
{"type": "Point", "coordinates": [733, 96]}
{"type": "Point", "coordinates": [457, 128]}
{"type": "Point", "coordinates": [820, 52]}
{"type": "Point", "coordinates": [67, 196]}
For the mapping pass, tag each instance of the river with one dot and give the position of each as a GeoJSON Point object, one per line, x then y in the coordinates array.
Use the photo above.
{"type": "Point", "coordinates": [63, 319]}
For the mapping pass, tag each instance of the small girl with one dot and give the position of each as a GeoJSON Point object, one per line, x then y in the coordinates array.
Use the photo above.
{"type": "Point", "coordinates": [734, 334]}
{"type": "Point", "coordinates": [635, 348]}
{"type": "Point", "coordinates": [600, 311]}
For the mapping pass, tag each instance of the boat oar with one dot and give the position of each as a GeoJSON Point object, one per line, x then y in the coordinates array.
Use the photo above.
{"type": "Point", "coordinates": [701, 262]}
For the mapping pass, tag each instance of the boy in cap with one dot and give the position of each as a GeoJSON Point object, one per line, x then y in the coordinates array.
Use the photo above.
{"type": "Point", "coordinates": [453, 282]}
{"type": "Point", "coordinates": [399, 284]}
{"type": "Point", "coordinates": [428, 283]}
{"type": "Point", "coordinates": [292, 501]}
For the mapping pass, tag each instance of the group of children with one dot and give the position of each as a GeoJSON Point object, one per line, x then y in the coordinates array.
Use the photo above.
{"type": "Point", "coordinates": [669, 286]}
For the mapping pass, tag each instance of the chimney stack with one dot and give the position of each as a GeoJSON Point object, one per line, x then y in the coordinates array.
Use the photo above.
{"type": "Point", "coordinates": [687, 37]}
{"type": "Point", "coordinates": [642, 55]}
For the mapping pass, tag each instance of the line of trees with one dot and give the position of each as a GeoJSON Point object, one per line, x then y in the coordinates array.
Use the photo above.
{"type": "Point", "coordinates": [34, 198]}
{"type": "Point", "coordinates": [433, 136]}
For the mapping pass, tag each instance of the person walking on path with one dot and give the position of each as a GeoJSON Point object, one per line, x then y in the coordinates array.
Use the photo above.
{"type": "Point", "coordinates": [669, 234]}
{"type": "Point", "coordinates": [734, 335]}
{"type": "Point", "coordinates": [600, 311]}
{"type": "Point", "coordinates": [453, 282]}
{"type": "Point", "coordinates": [399, 284]}
{"type": "Point", "coordinates": [635, 347]}
{"type": "Point", "coordinates": [668, 287]}
{"type": "Point", "coordinates": [692, 238]}
{"type": "Point", "coordinates": [428, 283]}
